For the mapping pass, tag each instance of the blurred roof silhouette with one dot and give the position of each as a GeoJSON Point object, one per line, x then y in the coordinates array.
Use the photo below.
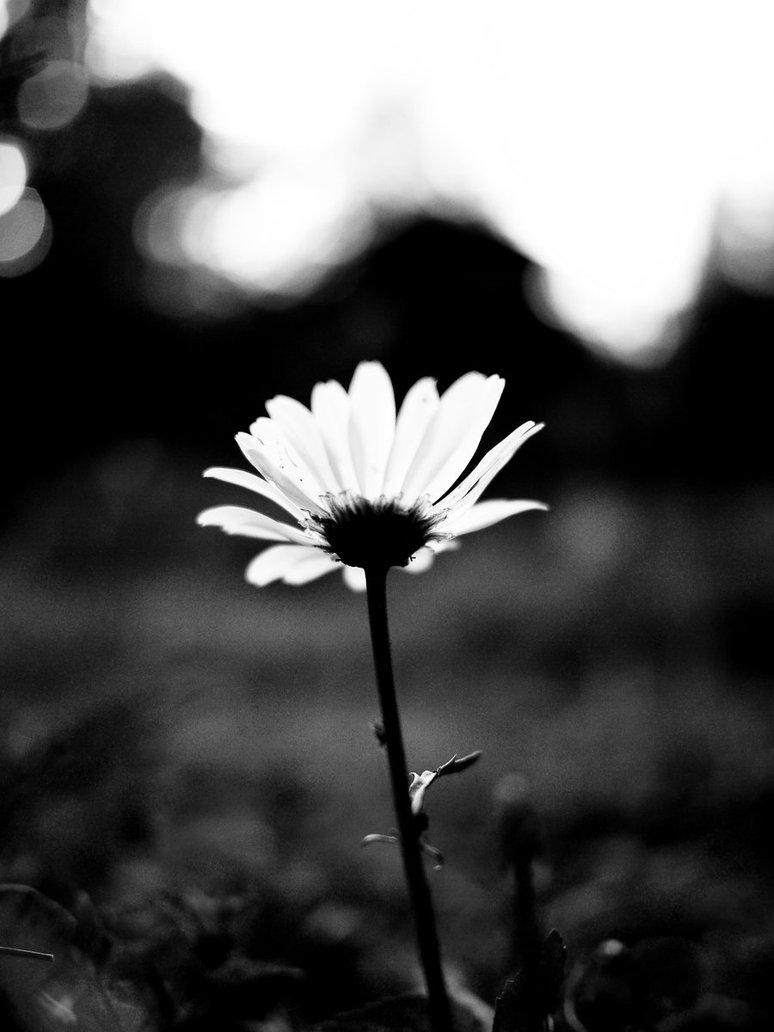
{"type": "Point", "coordinates": [89, 362]}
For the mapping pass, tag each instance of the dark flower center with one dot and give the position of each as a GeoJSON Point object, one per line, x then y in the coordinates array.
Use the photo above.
{"type": "Point", "coordinates": [376, 534]}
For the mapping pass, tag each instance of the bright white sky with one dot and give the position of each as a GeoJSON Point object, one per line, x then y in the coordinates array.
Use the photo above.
{"type": "Point", "coordinates": [601, 137]}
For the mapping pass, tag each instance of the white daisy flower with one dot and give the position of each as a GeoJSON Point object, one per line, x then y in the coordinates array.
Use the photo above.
{"type": "Point", "coordinates": [363, 485]}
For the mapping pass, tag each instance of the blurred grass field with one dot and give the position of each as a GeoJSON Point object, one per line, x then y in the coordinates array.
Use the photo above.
{"type": "Point", "coordinates": [169, 729]}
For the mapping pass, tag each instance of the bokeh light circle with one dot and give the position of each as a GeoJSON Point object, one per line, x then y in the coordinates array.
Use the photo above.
{"type": "Point", "coordinates": [25, 235]}
{"type": "Point", "coordinates": [13, 174]}
{"type": "Point", "coordinates": [53, 97]}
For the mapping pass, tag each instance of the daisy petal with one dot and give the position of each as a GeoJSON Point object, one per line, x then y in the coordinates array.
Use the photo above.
{"type": "Point", "coordinates": [276, 563]}
{"type": "Point", "coordinates": [444, 545]}
{"type": "Point", "coordinates": [471, 488]}
{"type": "Point", "coordinates": [424, 558]}
{"type": "Point", "coordinates": [303, 433]}
{"type": "Point", "coordinates": [487, 513]}
{"type": "Point", "coordinates": [331, 410]}
{"type": "Point", "coordinates": [354, 578]}
{"type": "Point", "coordinates": [235, 519]}
{"type": "Point", "coordinates": [420, 561]}
{"type": "Point", "coordinates": [274, 441]}
{"type": "Point", "coordinates": [453, 435]}
{"type": "Point", "coordinates": [241, 478]}
{"type": "Point", "coordinates": [418, 408]}
{"type": "Point", "coordinates": [310, 568]}
{"type": "Point", "coordinates": [371, 426]}
{"type": "Point", "coordinates": [274, 473]}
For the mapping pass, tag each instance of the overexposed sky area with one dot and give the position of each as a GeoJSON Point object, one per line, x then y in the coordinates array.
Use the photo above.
{"type": "Point", "coordinates": [614, 143]}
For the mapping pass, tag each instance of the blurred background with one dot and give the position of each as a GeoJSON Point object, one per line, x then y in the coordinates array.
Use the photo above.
{"type": "Point", "coordinates": [202, 206]}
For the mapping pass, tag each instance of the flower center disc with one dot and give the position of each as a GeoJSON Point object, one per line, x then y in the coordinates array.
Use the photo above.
{"type": "Point", "coordinates": [376, 534]}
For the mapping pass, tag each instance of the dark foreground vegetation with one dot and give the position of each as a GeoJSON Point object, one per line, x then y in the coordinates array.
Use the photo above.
{"type": "Point", "coordinates": [188, 769]}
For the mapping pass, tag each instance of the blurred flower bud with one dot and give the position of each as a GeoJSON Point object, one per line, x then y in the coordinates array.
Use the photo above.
{"type": "Point", "coordinates": [519, 831]}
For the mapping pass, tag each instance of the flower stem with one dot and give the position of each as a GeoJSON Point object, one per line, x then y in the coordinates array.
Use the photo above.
{"type": "Point", "coordinates": [419, 890]}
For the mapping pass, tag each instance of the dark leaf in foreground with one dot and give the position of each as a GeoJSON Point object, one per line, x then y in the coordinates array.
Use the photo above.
{"type": "Point", "coordinates": [528, 1000]}
{"type": "Point", "coordinates": [651, 985]}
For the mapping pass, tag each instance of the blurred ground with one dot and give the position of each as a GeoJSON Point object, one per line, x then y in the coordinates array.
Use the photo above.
{"type": "Point", "coordinates": [170, 730]}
